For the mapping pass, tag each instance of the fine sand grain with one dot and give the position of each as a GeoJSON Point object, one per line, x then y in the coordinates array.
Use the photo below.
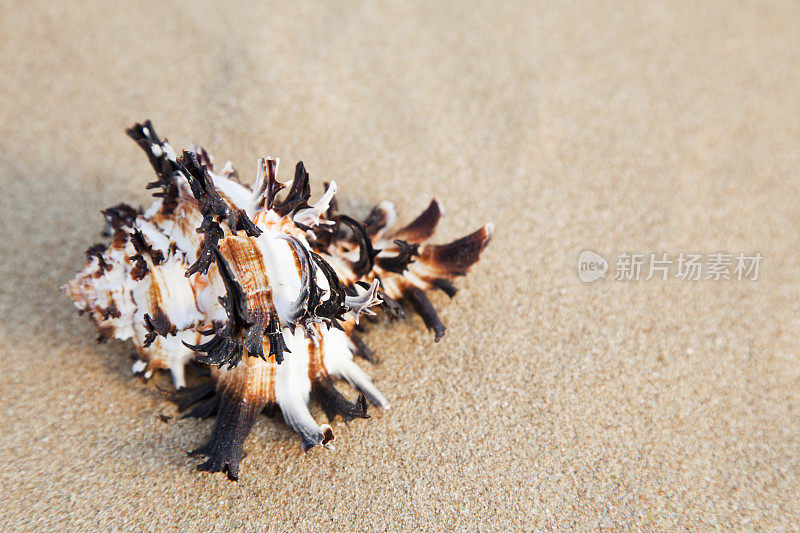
{"type": "Point", "coordinates": [654, 127]}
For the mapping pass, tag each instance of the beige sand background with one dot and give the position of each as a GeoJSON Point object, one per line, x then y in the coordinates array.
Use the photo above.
{"type": "Point", "coordinates": [652, 127]}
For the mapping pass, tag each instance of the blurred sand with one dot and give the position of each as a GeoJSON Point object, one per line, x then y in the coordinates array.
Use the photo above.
{"type": "Point", "coordinates": [660, 127]}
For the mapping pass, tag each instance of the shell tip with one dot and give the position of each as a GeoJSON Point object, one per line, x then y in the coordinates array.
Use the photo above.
{"type": "Point", "coordinates": [327, 436]}
{"type": "Point", "coordinates": [440, 206]}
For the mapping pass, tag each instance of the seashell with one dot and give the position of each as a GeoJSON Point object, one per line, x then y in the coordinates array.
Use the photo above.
{"type": "Point", "coordinates": [261, 287]}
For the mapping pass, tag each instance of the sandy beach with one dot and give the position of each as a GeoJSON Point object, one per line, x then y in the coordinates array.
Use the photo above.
{"type": "Point", "coordinates": [551, 403]}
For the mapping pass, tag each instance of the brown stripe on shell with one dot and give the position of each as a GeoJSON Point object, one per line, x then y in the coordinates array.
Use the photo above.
{"type": "Point", "coordinates": [245, 259]}
{"type": "Point", "coordinates": [316, 366]}
{"type": "Point", "coordinates": [157, 296]}
{"type": "Point", "coordinates": [158, 317]}
{"type": "Point", "coordinates": [272, 398]}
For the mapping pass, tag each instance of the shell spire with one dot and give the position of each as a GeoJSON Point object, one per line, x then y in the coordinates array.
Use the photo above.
{"type": "Point", "coordinates": [260, 286]}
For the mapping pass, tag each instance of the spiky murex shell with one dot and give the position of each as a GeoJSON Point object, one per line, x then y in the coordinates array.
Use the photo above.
{"type": "Point", "coordinates": [267, 291]}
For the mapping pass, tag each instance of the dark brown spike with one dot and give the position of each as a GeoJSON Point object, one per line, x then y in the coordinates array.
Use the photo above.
{"type": "Point", "coordinates": [399, 263]}
{"type": "Point", "coordinates": [274, 186]}
{"type": "Point", "coordinates": [239, 221]}
{"type": "Point", "coordinates": [221, 350]}
{"type": "Point", "coordinates": [226, 348]}
{"type": "Point", "coordinates": [422, 227]}
{"type": "Point", "coordinates": [446, 286]}
{"type": "Point", "coordinates": [298, 195]}
{"type": "Point", "coordinates": [120, 215]}
{"type": "Point", "coordinates": [117, 217]}
{"type": "Point", "coordinates": [204, 409]}
{"type": "Point", "coordinates": [208, 198]}
{"type": "Point", "coordinates": [419, 300]}
{"type": "Point", "coordinates": [235, 419]}
{"type": "Point", "coordinates": [188, 396]}
{"type": "Point", "coordinates": [96, 250]}
{"type": "Point", "coordinates": [214, 209]}
{"type": "Point", "coordinates": [139, 270]}
{"type": "Point", "coordinates": [268, 186]}
{"type": "Point", "coordinates": [366, 256]}
{"type": "Point", "coordinates": [212, 235]}
{"type": "Point", "coordinates": [204, 157]}
{"type": "Point", "coordinates": [332, 309]}
{"type": "Point", "coordinates": [335, 403]}
{"type": "Point", "coordinates": [143, 247]}
{"type": "Point", "coordinates": [277, 344]}
{"type": "Point", "coordinates": [211, 206]}
{"type": "Point", "coordinates": [455, 258]}
{"type": "Point", "coordinates": [377, 220]}
{"type": "Point", "coordinates": [157, 324]}
{"type": "Point", "coordinates": [391, 306]}
{"type": "Point", "coordinates": [111, 311]}
{"type": "Point", "coordinates": [151, 331]}
{"type": "Point", "coordinates": [166, 170]}
{"type": "Point", "coordinates": [253, 340]}
{"type": "Point", "coordinates": [144, 135]}
{"type": "Point", "coordinates": [361, 349]}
